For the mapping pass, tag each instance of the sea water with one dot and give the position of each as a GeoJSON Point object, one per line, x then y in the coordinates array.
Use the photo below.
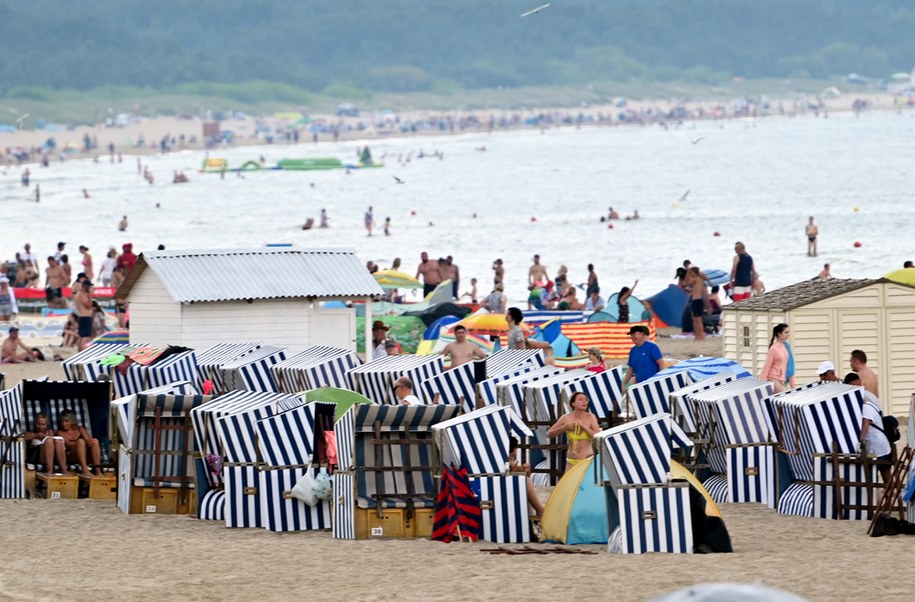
{"type": "Point", "coordinates": [528, 192]}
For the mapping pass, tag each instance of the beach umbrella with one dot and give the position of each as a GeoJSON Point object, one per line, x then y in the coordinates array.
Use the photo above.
{"type": "Point", "coordinates": [115, 336]}
{"type": "Point", "coordinates": [902, 276]}
{"type": "Point", "coordinates": [389, 279]}
{"type": "Point", "coordinates": [434, 330]}
{"type": "Point", "coordinates": [700, 368]}
{"type": "Point", "coordinates": [577, 510]}
{"type": "Point", "coordinates": [491, 324]}
{"type": "Point", "coordinates": [344, 398]}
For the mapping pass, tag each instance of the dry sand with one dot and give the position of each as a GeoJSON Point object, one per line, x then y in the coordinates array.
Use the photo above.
{"type": "Point", "coordinates": [140, 557]}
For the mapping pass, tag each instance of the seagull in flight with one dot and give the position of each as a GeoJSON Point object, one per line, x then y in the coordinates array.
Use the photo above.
{"type": "Point", "coordinates": [685, 194]}
{"type": "Point", "coordinates": [398, 180]}
{"type": "Point", "coordinates": [20, 120]}
{"type": "Point", "coordinates": [695, 140]}
{"type": "Point", "coordinates": [534, 11]}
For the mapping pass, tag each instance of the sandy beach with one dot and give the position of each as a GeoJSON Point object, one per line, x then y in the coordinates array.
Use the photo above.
{"type": "Point", "coordinates": [142, 557]}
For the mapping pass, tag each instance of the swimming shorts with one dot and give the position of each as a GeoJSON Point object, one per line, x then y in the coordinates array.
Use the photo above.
{"type": "Point", "coordinates": [697, 308]}
{"type": "Point", "coordinates": [812, 238]}
{"type": "Point", "coordinates": [741, 293]}
{"type": "Point", "coordinates": [52, 293]}
{"type": "Point", "coordinates": [85, 326]}
{"type": "Point", "coordinates": [6, 309]}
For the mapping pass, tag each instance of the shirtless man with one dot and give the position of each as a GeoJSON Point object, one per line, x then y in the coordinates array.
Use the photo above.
{"type": "Point", "coordinates": [498, 272]}
{"type": "Point", "coordinates": [55, 280]}
{"type": "Point", "coordinates": [10, 352]}
{"type": "Point", "coordinates": [825, 274]}
{"type": "Point", "coordinates": [369, 220]}
{"type": "Point", "coordinates": [428, 269]}
{"type": "Point", "coordinates": [537, 273]}
{"type": "Point", "coordinates": [812, 232]}
{"type": "Point", "coordinates": [695, 285]}
{"type": "Point", "coordinates": [84, 311]}
{"type": "Point", "coordinates": [44, 447]}
{"type": "Point", "coordinates": [462, 350]}
{"type": "Point", "coordinates": [868, 377]}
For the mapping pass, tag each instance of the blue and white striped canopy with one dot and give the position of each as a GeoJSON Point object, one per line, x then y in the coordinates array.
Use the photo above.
{"type": "Point", "coordinates": [700, 368]}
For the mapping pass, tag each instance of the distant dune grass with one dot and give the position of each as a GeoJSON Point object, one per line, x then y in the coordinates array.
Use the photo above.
{"type": "Point", "coordinates": [264, 98]}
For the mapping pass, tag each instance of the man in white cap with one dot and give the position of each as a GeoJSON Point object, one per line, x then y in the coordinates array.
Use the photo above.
{"type": "Point", "coordinates": [827, 371]}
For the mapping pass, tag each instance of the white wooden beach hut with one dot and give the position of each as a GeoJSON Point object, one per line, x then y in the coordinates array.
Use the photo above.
{"type": "Point", "coordinates": [198, 298]}
{"type": "Point", "coordinates": [828, 319]}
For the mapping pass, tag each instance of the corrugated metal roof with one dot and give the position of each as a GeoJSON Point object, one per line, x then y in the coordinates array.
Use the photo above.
{"type": "Point", "coordinates": [800, 294]}
{"type": "Point", "coordinates": [194, 276]}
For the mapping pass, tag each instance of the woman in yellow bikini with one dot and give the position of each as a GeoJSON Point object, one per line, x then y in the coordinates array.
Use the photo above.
{"type": "Point", "coordinates": [579, 426]}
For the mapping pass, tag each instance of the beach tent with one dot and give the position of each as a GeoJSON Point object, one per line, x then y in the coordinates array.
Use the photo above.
{"type": "Point", "coordinates": [576, 512]}
{"type": "Point", "coordinates": [601, 316]}
{"type": "Point", "coordinates": [318, 366]}
{"type": "Point", "coordinates": [668, 304]}
{"type": "Point", "coordinates": [636, 307]}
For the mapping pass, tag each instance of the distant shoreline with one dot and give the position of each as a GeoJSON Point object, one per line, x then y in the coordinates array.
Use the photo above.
{"type": "Point", "coordinates": [155, 129]}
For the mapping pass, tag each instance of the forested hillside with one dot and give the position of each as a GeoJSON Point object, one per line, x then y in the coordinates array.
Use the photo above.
{"type": "Point", "coordinates": [408, 45]}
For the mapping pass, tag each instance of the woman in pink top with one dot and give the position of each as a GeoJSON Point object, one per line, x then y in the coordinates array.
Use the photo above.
{"type": "Point", "coordinates": [776, 367]}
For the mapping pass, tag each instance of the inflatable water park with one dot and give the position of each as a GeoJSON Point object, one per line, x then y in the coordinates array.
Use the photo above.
{"type": "Point", "coordinates": [219, 165]}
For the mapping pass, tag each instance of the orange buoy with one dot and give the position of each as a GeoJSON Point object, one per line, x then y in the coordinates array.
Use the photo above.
{"type": "Point", "coordinates": [533, 219]}
{"type": "Point", "coordinates": [610, 226]}
{"type": "Point", "coordinates": [413, 212]}
{"type": "Point", "coordinates": [717, 233]}
{"type": "Point", "coordinates": [857, 244]}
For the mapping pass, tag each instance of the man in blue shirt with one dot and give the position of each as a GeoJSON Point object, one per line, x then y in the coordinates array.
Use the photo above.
{"type": "Point", "coordinates": [645, 358]}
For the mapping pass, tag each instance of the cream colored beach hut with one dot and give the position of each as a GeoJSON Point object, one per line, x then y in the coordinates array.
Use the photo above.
{"type": "Point", "coordinates": [273, 295]}
{"type": "Point", "coordinates": [828, 319]}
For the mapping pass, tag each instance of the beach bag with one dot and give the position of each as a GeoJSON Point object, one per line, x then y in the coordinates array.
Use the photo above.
{"type": "Point", "coordinates": [311, 489]}
{"type": "Point", "coordinates": [891, 428]}
{"type": "Point", "coordinates": [304, 489]}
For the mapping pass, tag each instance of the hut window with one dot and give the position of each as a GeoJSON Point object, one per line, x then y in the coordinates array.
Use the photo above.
{"type": "Point", "coordinates": [745, 335]}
